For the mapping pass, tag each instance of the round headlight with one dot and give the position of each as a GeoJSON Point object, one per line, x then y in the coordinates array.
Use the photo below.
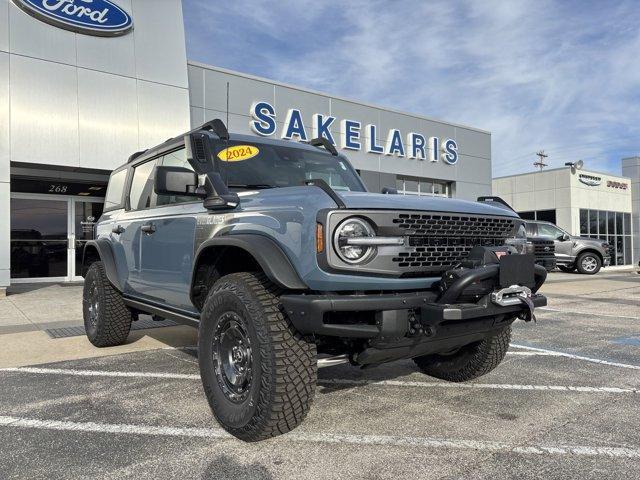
{"type": "Point", "coordinates": [353, 228]}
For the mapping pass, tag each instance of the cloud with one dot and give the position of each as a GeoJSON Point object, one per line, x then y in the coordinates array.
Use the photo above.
{"type": "Point", "coordinates": [558, 76]}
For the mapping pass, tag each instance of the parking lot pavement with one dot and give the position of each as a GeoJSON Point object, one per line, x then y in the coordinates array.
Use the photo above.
{"type": "Point", "coordinates": [563, 404]}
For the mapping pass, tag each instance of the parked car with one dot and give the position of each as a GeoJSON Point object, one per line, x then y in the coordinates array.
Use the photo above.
{"type": "Point", "coordinates": [584, 254]}
{"type": "Point", "coordinates": [543, 249]}
{"type": "Point", "coordinates": [277, 253]}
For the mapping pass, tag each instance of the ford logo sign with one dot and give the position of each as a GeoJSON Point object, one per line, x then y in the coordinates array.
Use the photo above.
{"type": "Point", "coordinates": [90, 17]}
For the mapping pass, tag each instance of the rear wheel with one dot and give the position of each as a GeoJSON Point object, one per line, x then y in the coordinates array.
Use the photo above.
{"type": "Point", "coordinates": [567, 268]}
{"type": "Point", "coordinates": [469, 362]}
{"type": "Point", "coordinates": [259, 374]}
{"type": "Point", "coordinates": [588, 263]}
{"type": "Point", "coordinates": [107, 320]}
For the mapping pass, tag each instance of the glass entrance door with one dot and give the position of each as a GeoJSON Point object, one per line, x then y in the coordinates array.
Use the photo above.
{"type": "Point", "coordinates": [39, 238]}
{"type": "Point", "coordinates": [48, 235]}
{"type": "Point", "coordinates": [85, 215]}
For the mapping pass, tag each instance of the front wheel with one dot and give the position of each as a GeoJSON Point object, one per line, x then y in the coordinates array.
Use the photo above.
{"type": "Point", "coordinates": [470, 361]}
{"type": "Point", "coordinates": [588, 263]}
{"type": "Point", "coordinates": [259, 374]}
{"type": "Point", "coordinates": [107, 320]}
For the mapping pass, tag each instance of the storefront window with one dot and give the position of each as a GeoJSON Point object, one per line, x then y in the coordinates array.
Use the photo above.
{"type": "Point", "coordinates": [602, 223]}
{"type": "Point", "coordinates": [593, 222]}
{"type": "Point", "coordinates": [419, 186]}
{"type": "Point", "coordinates": [426, 188]}
{"type": "Point", "coordinates": [612, 227]}
{"type": "Point", "coordinates": [38, 238]}
{"type": "Point", "coordinates": [584, 222]}
{"type": "Point", "coordinates": [627, 224]}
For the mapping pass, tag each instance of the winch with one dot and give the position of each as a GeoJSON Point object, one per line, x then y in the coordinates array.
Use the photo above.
{"type": "Point", "coordinates": [472, 280]}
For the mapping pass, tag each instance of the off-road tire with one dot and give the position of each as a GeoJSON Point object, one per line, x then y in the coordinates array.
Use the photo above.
{"type": "Point", "coordinates": [113, 322]}
{"type": "Point", "coordinates": [469, 362]}
{"type": "Point", "coordinates": [582, 257]}
{"type": "Point", "coordinates": [567, 269]}
{"type": "Point", "coordinates": [283, 362]}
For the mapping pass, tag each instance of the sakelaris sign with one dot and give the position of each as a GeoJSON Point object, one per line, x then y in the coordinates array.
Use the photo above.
{"type": "Point", "coordinates": [353, 136]}
{"type": "Point", "coordinates": [90, 17]}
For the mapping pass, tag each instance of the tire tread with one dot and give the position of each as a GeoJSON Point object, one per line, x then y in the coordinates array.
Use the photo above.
{"type": "Point", "coordinates": [114, 326]}
{"type": "Point", "coordinates": [483, 358]}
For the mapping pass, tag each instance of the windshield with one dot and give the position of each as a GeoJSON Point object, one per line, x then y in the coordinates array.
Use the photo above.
{"type": "Point", "coordinates": [261, 165]}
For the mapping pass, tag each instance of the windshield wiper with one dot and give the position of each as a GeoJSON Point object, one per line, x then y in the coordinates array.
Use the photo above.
{"type": "Point", "coordinates": [251, 185]}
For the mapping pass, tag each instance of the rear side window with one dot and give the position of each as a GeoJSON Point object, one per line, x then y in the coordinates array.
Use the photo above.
{"type": "Point", "coordinates": [141, 195]}
{"type": "Point", "coordinates": [113, 199]}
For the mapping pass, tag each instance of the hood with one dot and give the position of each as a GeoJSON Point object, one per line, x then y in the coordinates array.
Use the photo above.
{"type": "Point", "coordinates": [366, 201]}
{"type": "Point", "coordinates": [379, 201]}
{"type": "Point", "coordinates": [588, 240]}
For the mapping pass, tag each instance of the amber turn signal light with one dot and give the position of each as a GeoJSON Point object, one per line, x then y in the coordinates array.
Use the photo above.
{"type": "Point", "coordinates": [319, 238]}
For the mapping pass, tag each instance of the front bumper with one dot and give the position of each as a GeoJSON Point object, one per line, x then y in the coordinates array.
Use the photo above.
{"type": "Point", "coordinates": [391, 313]}
{"type": "Point", "coordinates": [547, 262]}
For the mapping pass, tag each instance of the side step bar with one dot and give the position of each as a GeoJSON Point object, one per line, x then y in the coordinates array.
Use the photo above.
{"type": "Point", "coordinates": [162, 312]}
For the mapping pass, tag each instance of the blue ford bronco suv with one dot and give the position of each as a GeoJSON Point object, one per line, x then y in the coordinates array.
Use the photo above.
{"type": "Point", "coordinates": [280, 257]}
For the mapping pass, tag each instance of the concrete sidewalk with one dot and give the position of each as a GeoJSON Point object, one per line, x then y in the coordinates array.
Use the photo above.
{"type": "Point", "coordinates": [36, 307]}
{"type": "Point", "coordinates": [28, 310]}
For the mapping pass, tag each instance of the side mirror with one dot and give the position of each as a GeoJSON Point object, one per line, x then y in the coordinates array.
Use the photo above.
{"type": "Point", "coordinates": [564, 237]}
{"type": "Point", "coordinates": [176, 181]}
{"type": "Point", "coordinates": [389, 191]}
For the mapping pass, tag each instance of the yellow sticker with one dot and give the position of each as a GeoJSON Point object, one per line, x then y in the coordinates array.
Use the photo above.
{"type": "Point", "coordinates": [238, 153]}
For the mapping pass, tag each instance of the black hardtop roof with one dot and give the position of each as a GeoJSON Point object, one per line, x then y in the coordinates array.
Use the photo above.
{"type": "Point", "coordinates": [174, 142]}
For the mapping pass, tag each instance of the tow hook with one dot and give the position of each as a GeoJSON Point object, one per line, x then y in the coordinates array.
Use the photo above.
{"type": "Point", "coordinates": [514, 295]}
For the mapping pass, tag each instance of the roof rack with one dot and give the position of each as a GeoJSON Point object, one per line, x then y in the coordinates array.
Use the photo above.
{"type": "Point", "coordinates": [136, 155]}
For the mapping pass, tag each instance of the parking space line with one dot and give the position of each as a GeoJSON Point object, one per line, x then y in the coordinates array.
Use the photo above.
{"type": "Point", "coordinates": [100, 373]}
{"type": "Point", "coordinates": [334, 381]}
{"type": "Point", "coordinates": [534, 354]}
{"type": "Point", "coordinates": [490, 386]}
{"type": "Point", "coordinates": [330, 438]}
{"type": "Point", "coordinates": [577, 357]}
{"type": "Point", "coordinates": [592, 314]}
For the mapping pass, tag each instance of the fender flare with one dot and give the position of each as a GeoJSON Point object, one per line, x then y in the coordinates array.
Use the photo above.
{"type": "Point", "coordinates": [105, 252]}
{"type": "Point", "coordinates": [273, 261]}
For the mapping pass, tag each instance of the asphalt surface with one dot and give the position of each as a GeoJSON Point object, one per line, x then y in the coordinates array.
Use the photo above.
{"type": "Point", "coordinates": [563, 404]}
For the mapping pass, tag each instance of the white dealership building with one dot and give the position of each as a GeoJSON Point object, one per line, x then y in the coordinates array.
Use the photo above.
{"type": "Point", "coordinates": [582, 202]}
{"type": "Point", "coordinates": [83, 86]}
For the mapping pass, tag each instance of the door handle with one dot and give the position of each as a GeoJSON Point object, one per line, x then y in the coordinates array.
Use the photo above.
{"type": "Point", "coordinates": [148, 228]}
{"type": "Point", "coordinates": [118, 230]}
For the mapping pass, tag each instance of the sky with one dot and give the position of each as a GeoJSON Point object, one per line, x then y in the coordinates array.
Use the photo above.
{"type": "Point", "coordinates": [563, 77]}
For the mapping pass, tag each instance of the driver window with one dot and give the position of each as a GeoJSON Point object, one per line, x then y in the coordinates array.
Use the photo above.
{"type": "Point", "coordinates": [177, 158]}
{"type": "Point", "coordinates": [141, 194]}
{"type": "Point", "coordinates": [549, 231]}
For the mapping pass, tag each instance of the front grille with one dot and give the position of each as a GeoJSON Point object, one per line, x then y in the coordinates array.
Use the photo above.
{"type": "Point", "coordinates": [442, 241]}
{"type": "Point", "coordinates": [434, 241]}
{"type": "Point", "coordinates": [454, 225]}
{"type": "Point", "coordinates": [440, 253]}
{"type": "Point", "coordinates": [543, 248]}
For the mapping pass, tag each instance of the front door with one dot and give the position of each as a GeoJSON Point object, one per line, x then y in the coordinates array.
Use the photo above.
{"type": "Point", "coordinates": [167, 255]}
{"type": "Point", "coordinates": [563, 247]}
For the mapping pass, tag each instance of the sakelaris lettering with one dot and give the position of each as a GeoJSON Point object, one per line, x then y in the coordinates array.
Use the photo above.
{"type": "Point", "coordinates": [352, 135]}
